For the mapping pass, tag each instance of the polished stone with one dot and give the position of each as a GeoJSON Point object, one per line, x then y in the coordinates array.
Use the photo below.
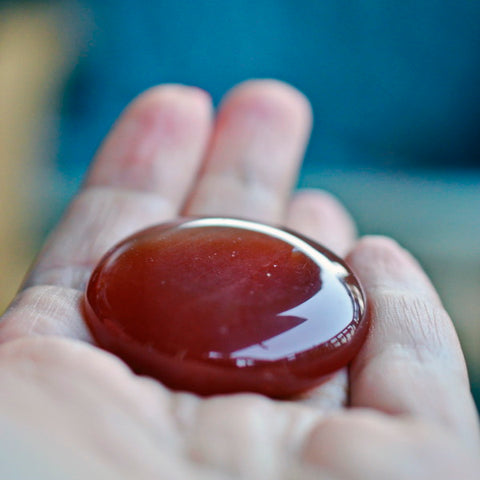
{"type": "Point", "coordinates": [215, 305]}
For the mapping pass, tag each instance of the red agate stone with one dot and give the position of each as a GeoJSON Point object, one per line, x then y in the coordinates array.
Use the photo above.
{"type": "Point", "coordinates": [216, 305]}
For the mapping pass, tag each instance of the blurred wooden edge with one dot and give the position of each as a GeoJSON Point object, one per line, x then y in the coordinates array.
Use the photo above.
{"type": "Point", "coordinates": [33, 56]}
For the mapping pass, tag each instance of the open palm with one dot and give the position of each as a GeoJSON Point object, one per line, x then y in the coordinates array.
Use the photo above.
{"type": "Point", "coordinates": [402, 410]}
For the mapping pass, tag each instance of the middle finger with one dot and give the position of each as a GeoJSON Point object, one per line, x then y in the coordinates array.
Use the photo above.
{"type": "Point", "coordinates": [258, 143]}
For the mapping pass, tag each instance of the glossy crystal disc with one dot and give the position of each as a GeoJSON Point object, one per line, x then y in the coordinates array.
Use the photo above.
{"type": "Point", "coordinates": [217, 305]}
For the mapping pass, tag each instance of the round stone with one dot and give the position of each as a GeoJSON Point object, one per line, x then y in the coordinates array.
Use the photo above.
{"type": "Point", "coordinates": [218, 305]}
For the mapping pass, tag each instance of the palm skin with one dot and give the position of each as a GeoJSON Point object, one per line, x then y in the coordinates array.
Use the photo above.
{"type": "Point", "coordinates": [402, 410]}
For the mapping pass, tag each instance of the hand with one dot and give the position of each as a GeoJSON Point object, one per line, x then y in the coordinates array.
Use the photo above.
{"type": "Point", "coordinates": [70, 410]}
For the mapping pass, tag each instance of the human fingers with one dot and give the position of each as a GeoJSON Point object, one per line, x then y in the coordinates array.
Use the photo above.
{"type": "Point", "coordinates": [412, 362]}
{"type": "Point", "coordinates": [258, 143]}
{"type": "Point", "coordinates": [141, 176]}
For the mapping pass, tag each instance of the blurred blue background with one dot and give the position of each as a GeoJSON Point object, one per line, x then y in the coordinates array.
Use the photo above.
{"type": "Point", "coordinates": [394, 84]}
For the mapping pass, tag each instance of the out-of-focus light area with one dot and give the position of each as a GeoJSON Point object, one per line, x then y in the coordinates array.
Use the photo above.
{"type": "Point", "coordinates": [395, 88]}
{"type": "Point", "coordinates": [33, 65]}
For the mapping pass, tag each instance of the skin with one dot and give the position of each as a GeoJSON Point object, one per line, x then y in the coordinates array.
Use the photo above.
{"type": "Point", "coordinates": [403, 409]}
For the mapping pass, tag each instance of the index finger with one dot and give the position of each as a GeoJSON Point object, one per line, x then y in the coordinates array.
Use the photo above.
{"type": "Point", "coordinates": [141, 176]}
